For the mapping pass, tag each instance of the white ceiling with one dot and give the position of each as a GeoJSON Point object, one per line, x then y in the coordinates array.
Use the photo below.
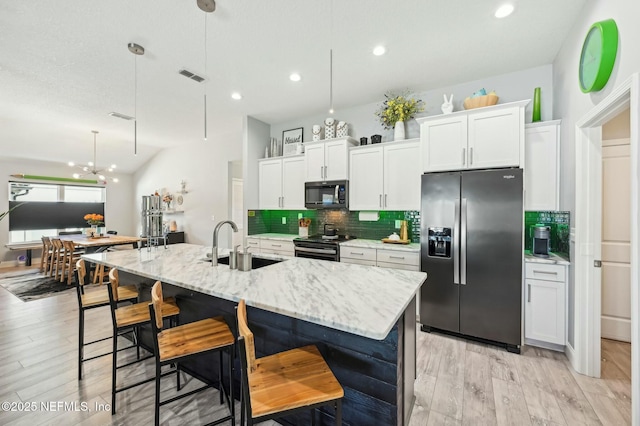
{"type": "Point", "coordinates": [65, 65]}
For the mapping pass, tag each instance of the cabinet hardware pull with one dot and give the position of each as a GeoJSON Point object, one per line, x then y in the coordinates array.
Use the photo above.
{"type": "Point", "coordinates": [471, 155]}
{"type": "Point", "coordinates": [380, 200]}
{"type": "Point", "coordinates": [535, 271]}
{"type": "Point", "coordinates": [355, 252]}
{"type": "Point", "coordinates": [321, 172]}
{"type": "Point", "coordinates": [282, 201]}
{"type": "Point", "coordinates": [396, 257]}
{"type": "Point", "coordinates": [276, 245]}
{"type": "Point", "coordinates": [253, 243]}
{"type": "Point", "coordinates": [325, 172]}
{"type": "Point", "coordinates": [464, 157]}
{"type": "Point", "coordinates": [385, 200]}
{"type": "Point", "coordinates": [529, 294]}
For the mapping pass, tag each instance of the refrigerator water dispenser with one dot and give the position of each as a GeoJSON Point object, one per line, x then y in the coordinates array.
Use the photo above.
{"type": "Point", "coordinates": [440, 242]}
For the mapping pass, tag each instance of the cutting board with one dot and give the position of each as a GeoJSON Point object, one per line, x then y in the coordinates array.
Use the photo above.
{"type": "Point", "coordinates": [388, 241]}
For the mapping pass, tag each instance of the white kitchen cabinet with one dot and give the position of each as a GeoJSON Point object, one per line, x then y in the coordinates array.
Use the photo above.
{"type": "Point", "coordinates": [328, 160]}
{"type": "Point", "coordinates": [283, 248]}
{"type": "Point", "coordinates": [480, 138]}
{"type": "Point", "coordinates": [281, 183]}
{"type": "Point", "coordinates": [253, 244]}
{"type": "Point", "coordinates": [545, 308]}
{"type": "Point", "coordinates": [542, 172]}
{"type": "Point", "coordinates": [385, 177]}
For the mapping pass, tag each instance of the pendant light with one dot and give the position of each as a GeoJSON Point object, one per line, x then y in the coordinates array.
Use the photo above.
{"type": "Point", "coordinates": [137, 50]}
{"type": "Point", "coordinates": [207, 6]}
{"type": "Point", "coordinates": [92, 169]}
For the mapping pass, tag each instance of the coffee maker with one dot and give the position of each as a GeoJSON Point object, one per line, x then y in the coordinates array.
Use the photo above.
{"type": "Point", "coordinates": [541, 240]}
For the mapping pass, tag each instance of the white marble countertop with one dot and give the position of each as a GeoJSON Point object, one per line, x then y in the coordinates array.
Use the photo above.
{"type": "Point", "coordinates": [377, 244]}
{"type": "Point", "coordinates": [552, 259]}
{"type": "Point", "coordinates": [362, 300]}
{"type": "Point", "coordinates": [274, 236]}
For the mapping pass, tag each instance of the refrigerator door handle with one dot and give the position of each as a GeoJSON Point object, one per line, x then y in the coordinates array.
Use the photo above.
{"type": "Point", "coordinates": [456, 239]}
{"type": "Point", "coordinates": [463, 242]}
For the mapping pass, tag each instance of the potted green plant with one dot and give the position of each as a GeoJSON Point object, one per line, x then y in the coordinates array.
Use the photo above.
{"type": "Point", "coordinates": [3, 214]}
{"type": "Point", "coordinates": [396, 110]}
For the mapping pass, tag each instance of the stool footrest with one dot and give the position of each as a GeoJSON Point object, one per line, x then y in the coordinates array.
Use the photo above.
{"type": "Point", "coordinates": [133, 362]}
{"type": "Point", "coordinates": [175, 398]}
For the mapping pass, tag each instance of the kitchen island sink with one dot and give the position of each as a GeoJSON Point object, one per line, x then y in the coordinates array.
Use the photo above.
{"type": "Point", "coordinates": [361, 318]}
{"type": "Point", "coordinates": [256, 262]}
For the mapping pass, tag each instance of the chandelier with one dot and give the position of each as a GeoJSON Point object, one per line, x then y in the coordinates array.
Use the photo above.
{"type": "Point", "coordinates": [91, 169]}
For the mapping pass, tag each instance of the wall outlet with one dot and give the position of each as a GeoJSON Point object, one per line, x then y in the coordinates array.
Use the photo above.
{"type": "Point", "coordinates": [398, 223]}
{"type": "Point", "coordinates": [299, 215]}
{"type": "Point", "coordinates": [284, 220]}
{"type": "Point", "coordinates": [213, 218]}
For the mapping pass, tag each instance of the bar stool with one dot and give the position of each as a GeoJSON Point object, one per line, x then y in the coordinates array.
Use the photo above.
{"type": "Point", "coordinates": [45, 259]}
{"type": "Point", "coordinates": [95, 298]}
{"type": "Point", "coordinates": [302, 373]}
{"type": "Point", "coordinates": [129, 319]}
{"type": "Point", "coordinates": [209, 335]}
{"type": "Point", "coordinates": [69, 258]}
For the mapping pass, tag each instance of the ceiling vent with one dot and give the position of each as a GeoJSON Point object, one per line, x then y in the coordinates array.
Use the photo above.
{"type": "Point", "coordinates": [190, 75]}
{"type": "Point", "coordinates": [118, 115]}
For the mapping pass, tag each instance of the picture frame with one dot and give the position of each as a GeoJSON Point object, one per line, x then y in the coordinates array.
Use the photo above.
{"type": "Point", "coordinates": [292, 136]}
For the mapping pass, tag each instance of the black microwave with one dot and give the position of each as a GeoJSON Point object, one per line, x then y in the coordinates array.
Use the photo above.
{"type": "Point", "coordinates": [326, 195]}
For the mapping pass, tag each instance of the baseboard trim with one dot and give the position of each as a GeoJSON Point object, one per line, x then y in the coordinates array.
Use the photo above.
{"type": "Point", "coordinates": [545, 345]}
{"type": "Point", "coordinates": [571, 355]}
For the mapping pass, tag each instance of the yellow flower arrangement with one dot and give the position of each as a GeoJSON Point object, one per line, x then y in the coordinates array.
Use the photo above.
{"type": "Point", "coordinates": [398, 107]}
{"type": "Point", "coordinates": [94, 219]}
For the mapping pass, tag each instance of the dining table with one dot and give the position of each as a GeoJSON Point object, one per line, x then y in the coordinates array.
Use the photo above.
{"type": "Point", "coordinates": [99, 243]}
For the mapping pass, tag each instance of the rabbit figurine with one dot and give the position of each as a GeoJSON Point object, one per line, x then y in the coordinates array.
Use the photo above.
{"type": "Point", "coordinates": [447, 106]}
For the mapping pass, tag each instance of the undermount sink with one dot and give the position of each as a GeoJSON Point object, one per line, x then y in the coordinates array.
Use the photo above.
{"type": "Point", "coordinates": [256, 262]}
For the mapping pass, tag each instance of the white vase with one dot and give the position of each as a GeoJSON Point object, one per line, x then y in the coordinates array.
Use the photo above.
{"type": "Point", "coordinates": [398, 131]}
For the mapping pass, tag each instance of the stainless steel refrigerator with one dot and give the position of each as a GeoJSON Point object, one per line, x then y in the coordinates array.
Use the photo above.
{"type": "Point", "coordinates": [471, 249]}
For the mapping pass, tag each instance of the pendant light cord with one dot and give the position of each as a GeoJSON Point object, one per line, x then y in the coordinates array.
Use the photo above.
{"type": "Point", "coordinates": [94, 152]}
{"type": "Point", "coordinates": [206, 77]}
{"type": "Point", "coordinates": [331, 58]}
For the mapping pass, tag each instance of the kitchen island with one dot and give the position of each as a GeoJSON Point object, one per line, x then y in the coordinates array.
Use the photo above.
{"type": "Point", "coordinates": [354, 314]}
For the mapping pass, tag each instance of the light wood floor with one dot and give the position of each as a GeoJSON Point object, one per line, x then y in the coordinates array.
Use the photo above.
{"type": "Point", "coordinates": [458, 382]}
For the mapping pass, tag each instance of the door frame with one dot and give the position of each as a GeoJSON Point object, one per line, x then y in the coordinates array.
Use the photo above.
{"type": "Point", "coordinates": [585, 356]}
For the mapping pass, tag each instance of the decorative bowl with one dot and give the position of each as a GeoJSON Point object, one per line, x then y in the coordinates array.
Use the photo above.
{"type": "Point", "coordinates": [480, 101]}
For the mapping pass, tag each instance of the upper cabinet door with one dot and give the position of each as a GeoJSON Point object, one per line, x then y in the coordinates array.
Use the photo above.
{"type": "Point", "coordinates": [541, 167]}
{"type": "Point", "coordinates": [270, 184]}
{"type": "Point", "coordinates": [444, 144]}
{"type": "Point", "coordinates": [402, 176]}
{"type": "Point", "coordinates": [365, 179]}
{"type": "Point", "coordinates": [293, 169]}
{"type": "Point", "coordinates": [336, 160]}
{"type": "Point", "coordinates": [494, 139]}
{"type": "Point", "coordinates": [314, 159]}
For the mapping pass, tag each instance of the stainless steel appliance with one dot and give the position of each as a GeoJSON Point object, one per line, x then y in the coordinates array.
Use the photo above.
{"type": "Point", "coordinates": [320, 246]}
{"type": "Point", "coordinates": [326, 195]}
{"type": "Point", "coordinates": [472, 253]}
{"type": "Point", "coordinates": [541, 240]}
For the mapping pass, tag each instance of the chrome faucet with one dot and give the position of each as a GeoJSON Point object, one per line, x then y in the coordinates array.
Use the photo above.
{"type": "Point", "coordinates": [214, 244]}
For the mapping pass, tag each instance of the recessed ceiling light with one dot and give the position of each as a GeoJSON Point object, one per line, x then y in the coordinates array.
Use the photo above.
{"type": "Point", "coordinates": [237, 96]}
{"type": "Point", "coordinates": [379, 50]}
{"type": "Point", "coordinates": [504, 11]}
{"type": "Point", "coordinates": [71, 163]}
{"type": "Point", "coordinates": [295, 77]}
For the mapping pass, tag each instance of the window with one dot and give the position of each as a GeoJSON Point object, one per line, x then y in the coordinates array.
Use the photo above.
{"type": "Point", "coordinates": [49, 208]}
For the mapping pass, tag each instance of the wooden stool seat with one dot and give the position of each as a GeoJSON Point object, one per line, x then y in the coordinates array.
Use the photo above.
{"type": "Point", "coordinates": [100, 297]}
{"type": "Point", "coordinates": [276, 385]}
{"type": "Point", "coordinates": [139, 313]}
{"type": "Point", "coordinates": [293, 379]}
{"type": "Point", "coordinates": [196, 337]}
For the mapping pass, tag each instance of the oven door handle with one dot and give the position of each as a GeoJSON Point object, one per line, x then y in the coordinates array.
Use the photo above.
{"type": "Point", "coordinates": [315, 250]}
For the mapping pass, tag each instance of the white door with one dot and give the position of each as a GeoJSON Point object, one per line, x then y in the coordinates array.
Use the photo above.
{"type": "Point", "coordinates": [336, 157]}
{"type": "Point", "coordinates": [365, 179]}
{"type": "Point", "coordinates": [293, 182]}
{"type": "Point", "coordinates": [616, 244]}
{"type": "Point", "coordinates": [494, 138]}
{"type": "Point", "coordinates": [314, 159]}
{"type": "Point", "coordinates": [270, 184]}
{"type": "Point", "coordinates": [402, 176]}
{"type": "Point", "coordinates": [444, 144]}
{"type": "Point", "coordinates": [541, 168]}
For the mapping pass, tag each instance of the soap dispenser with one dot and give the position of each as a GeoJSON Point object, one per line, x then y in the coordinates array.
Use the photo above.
{"type": "Point", "coordinates": [233, 258]}
{"type": "Point", "coordinates": [244, 260]}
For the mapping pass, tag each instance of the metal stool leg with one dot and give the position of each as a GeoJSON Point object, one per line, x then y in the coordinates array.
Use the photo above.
{"type": "Point", "coordinates": [80, 342]}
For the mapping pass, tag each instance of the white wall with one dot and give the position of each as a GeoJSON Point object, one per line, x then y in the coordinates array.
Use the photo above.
{"type": "Point", "coordinates": [204, 166]}
{"type": "Point", "coordinates": [570, 104]}
{"type": "Point", "coordinates": [119, 194]}
{"type": "Point", "coordinates": [510, 87]}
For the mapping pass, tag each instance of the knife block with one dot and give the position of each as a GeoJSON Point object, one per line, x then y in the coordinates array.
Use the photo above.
{"type": "Point", "coordinates": [303, 231]}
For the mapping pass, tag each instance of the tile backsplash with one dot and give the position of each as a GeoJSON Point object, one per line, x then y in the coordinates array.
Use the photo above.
{"type": "Point", "coordinates": [348, 222]}
{"type": "Point", "coordinates": [559, 223]}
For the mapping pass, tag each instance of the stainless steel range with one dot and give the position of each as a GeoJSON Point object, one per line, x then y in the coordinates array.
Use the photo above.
{"type": "Point", "coordinates": [320, 246]}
